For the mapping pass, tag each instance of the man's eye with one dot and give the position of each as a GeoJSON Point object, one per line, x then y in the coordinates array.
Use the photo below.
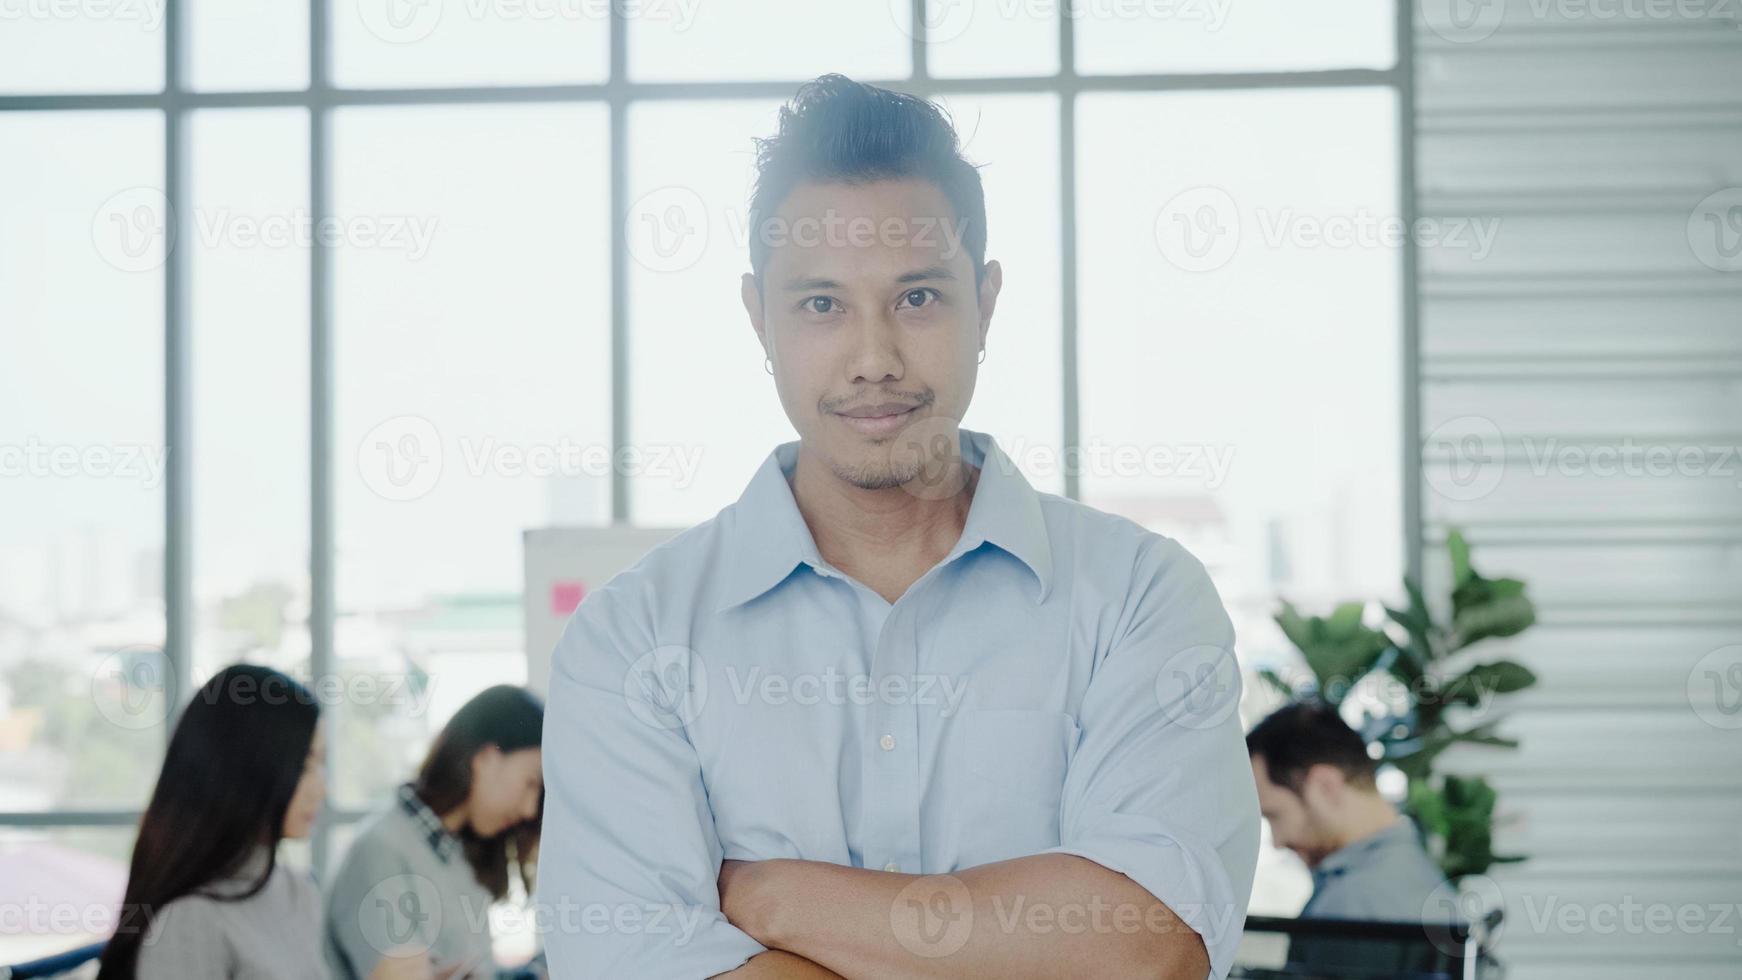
{"type": "Point", "coordinates": [811, 305]}
{"type": "Point", "coordinates": [922, 296]}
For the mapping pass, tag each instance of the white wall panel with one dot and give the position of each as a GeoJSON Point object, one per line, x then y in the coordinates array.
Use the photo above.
{"type": "Point", "coordinates": [1589, 332]}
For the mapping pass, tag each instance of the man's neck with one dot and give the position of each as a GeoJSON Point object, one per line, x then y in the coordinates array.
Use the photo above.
{"type": "Point", "coordinates": [889, 537]}
{"type": "Point", "coordinates": [1372, 815]}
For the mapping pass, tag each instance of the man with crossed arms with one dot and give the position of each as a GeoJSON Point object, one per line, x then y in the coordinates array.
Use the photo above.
{"type": "Point", "coordinates": [893, 713]}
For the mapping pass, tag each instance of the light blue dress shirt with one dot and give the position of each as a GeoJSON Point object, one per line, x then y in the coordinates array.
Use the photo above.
{"type": "Point", "coordinates": [1063, 681]}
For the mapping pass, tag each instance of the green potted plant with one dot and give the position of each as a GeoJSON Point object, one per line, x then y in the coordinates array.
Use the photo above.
{"type": "Point", "coordinates": [1428, 695]}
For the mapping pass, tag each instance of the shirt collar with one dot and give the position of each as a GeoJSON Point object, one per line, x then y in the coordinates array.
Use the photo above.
{"type": "Point", "coordinates": [1360, 851]}
{"type": "Point", "coordinates": [767, 537]}
{"type": "Point", "coordinates": [435, 833]}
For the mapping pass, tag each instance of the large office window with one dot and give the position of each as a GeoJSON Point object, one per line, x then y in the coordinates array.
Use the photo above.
{"type": "Point", "coordinates": [308, 311]}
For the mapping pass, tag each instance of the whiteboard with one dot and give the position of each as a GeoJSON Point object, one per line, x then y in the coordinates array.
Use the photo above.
{"type": "Point", "coordinates": [563, 564]}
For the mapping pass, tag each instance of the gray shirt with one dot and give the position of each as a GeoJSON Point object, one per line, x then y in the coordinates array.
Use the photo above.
{"type": "Point", "coordinates": [1383, 877]}
{"type": "Point", "coordinates": [405, 882]}
{"type": "Point", "coordinates": [273, 934]}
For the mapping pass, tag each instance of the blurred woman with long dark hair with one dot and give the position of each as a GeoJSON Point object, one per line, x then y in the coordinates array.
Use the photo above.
{"type": "Point", "coordinates": [424, 872]}
{"type": "Point", "coordinates": [243, 770]}
{"type": "Point", "coordinates": [206, 896]}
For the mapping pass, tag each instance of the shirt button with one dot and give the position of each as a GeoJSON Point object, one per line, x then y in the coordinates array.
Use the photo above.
{"type": "Point", "coordinates": [891, 866]}
{"type": "Point", "coordinates": [887, 741]}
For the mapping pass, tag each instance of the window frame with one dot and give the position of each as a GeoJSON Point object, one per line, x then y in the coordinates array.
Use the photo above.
{"type": "Point", "coordinates": [321, 98]}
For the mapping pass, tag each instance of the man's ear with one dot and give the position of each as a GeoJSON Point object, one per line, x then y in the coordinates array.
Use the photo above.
{"type": "Point", "coordinates": [1324, 785]}
{"type": "Point", "coordinates": [752, 297]}
{"type": "Point", "coordinates": [991, 284]}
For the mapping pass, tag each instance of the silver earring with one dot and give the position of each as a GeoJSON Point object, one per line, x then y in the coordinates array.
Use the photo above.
{"type": "Point", "coordinates": [768, 365]}
{"type": "Point", "coordinates": [982, 359]}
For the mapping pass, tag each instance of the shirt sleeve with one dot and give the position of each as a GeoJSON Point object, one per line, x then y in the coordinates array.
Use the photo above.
{"type": "Point", "coordinates": [1160, 788]}
{"type": "Point", "coordinates": [375, 905]}
{"type": "Point", "coordinates": [629, 860]}
{"type": "Point", "coordinates": [186, 941]}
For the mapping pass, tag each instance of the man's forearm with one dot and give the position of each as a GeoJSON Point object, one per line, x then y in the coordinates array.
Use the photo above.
{"type": "Point", "coordinates": [778, 964]}
{"type": "Point", "coordinates": [1042, 916]}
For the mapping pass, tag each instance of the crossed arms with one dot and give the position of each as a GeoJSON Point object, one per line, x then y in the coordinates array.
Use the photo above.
{"type": "Point", "coordinates": [1048, 915]}
{"type": "Point", "coordinates": [1156, 845]}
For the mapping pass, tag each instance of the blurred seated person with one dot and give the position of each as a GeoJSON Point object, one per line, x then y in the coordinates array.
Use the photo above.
{"type": "Point", "coordinates": [424, 871]}
{"type": "Point", "coordinates": [207, 897]}
{"type": "Point", "coordinates": [1316, 789]}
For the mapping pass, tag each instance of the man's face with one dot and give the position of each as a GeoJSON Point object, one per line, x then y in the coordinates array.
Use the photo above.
{"type": "Point", "coordinates": [1297, 822]}
{"type": "Point", "coordinates": [870, 314]}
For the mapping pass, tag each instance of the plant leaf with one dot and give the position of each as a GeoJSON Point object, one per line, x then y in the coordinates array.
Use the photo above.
{"type": "Point", "coordinates": [1499, 677]}
{"type": "Point", "coordinates": [1418, 622]}
{"type": "Point", "coordinates": [1460, 552]}
{"type": "Point", "coordinates": [1283, 687]}
{"type": "Point", "coordinates": [1338, 649]}
{"type": "Point", "coordinates": [1483, 607]}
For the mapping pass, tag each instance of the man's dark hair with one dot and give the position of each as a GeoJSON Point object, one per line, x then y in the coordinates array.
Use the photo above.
{"type": "Point", "coordinates": [1300, 736]}
{"type": "Point", "coordinates": [838, 130]}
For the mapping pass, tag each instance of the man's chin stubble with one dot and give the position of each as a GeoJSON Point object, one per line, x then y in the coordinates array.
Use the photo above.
{"type": "Point", "coordinates": [873, 477]}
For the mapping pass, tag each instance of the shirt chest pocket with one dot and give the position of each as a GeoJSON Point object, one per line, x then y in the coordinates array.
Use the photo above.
{"type": "Point", "coordinates": [1011, 779]}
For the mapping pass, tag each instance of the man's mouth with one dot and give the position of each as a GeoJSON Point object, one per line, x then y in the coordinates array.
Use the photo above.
{"type": "Point", "coordinates": [884, 419]}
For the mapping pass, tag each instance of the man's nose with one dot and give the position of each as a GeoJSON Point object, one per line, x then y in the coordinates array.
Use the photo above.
{"type": "Point", "coordinates": [876, 357]}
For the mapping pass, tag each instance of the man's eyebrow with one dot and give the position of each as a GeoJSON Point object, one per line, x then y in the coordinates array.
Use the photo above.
{"type": "Point", "coordinates": [807, 283]}
{"type": "Point", "coordinates": [930, 272]}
